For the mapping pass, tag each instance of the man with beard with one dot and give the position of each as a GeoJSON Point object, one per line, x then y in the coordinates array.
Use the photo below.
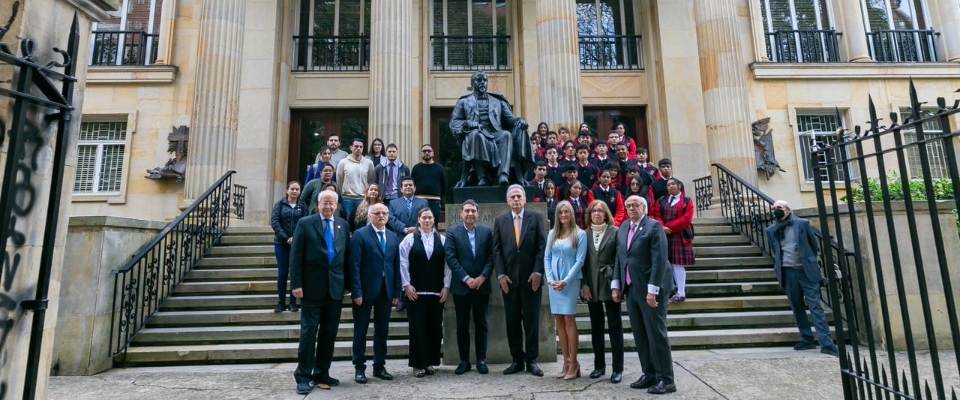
{"type": "Point", "coordinates": [336, 153]}
{"type": "Point", "coordinates": [430, 179]}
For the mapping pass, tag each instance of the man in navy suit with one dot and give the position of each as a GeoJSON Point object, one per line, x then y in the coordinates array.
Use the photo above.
{"type": "Point", "coordinates": [795, 248]}
{"type": "Point", "coordinates": [318, 255]}
{"type": "Point", "coordinates": [374, 284]}
{"type": "Point", "coordinates": [403, 210]}
{"type": "Point", "coordinates": [468, 251]}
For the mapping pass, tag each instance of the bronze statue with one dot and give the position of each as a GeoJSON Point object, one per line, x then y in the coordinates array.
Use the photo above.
{"type": "Point", "coordinates": [495, 143]}
{"type": "Point", "coordinates": [175, 167]}
{"type": "Point", "coordinates": [763, 147]}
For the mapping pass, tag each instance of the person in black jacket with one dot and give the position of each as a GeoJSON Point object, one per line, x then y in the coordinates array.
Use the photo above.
{"type": "Point", "coordinates": [286, 213]}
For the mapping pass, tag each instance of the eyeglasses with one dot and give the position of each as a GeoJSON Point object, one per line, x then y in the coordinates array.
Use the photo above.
{"type": "Point", "coordinates": [597, 211]}
{"type": "Point", "coordinates": [632, 205]}
{"type": "Point", "coordinates": [428, 151]}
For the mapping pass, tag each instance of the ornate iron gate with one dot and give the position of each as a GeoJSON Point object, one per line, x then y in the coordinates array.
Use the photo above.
{"type": "Point", "coordinates": [34, 98]}
{"type": "Point", "coordinates": [881, 196]}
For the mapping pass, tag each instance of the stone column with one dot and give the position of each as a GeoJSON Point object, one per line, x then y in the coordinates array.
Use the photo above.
{"type": "Point", "coordinates": [950, 28]}
{"type": "Point", "coordinates": [854, 31]}
{"type": "Point", "coordinates": [723, 74]}
{"type": "Point", "coordinates": [391, 76]}
{"type": "Point", "coordinates": [559, 55]}
{"type": "Point", "coordinates": [168, 19]}
{"type": "Point", "coordinates": [213, 123]}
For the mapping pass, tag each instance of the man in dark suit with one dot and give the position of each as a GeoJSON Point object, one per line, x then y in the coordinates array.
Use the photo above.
{"type": "Point", "coordinates": [318, 255]}
{"type": "Point", "coordinates": [374, 284]}
{"type": "Point", "coordinates": [795, 248]}
{"type": "Point", "coordinates": [468, 253]}
{"type": "Point", "coordinates": [519, 238]}
{"type": "Point", "coordinates": [645, 274]}
{"type": "Point", "coordinates": [403, 210]}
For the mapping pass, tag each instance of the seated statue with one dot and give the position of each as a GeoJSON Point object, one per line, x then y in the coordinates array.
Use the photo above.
{"type": "Point", "coordinates": [495, 143]}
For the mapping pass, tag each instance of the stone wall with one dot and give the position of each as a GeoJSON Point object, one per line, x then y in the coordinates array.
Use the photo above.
{"type": "Point", "coordinates": [97, 245]}
{"type": "Point", "coordinates": [47, 23]}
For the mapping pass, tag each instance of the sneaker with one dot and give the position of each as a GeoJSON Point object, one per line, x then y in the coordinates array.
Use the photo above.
{"type": "Point", "coordinates": [804, 346]}
{"type": "Point", "coordinates": [280, 307]}
{"type": "Point", "coordinates": [832, 350]}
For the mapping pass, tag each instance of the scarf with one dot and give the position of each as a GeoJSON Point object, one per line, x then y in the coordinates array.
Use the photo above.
{"type": "Point", "coordinates": [782, 226]}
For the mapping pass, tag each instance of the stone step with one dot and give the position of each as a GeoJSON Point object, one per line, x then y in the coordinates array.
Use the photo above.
{"type": "Point", "coordinates": [233, 251]}
{"type": "Point", "coordinates": [717, 251]}
{"type": "Point", "coordinates": [398, 349]}
{"type": "Point", "coordinates": [253, 274]}
{"type": "Point", "coordinates": [249, 230]}
{"type": "Point", "coordinates": [235, 240]}
{"type": "Point", "coordinates": [239, 262]}
{"type": "Point", "coordinates": [704, 230]}
{"type": "Point", "coordinates": [722, 262]}
{"type": "Point", "coordinates": [720, 240]}
{"type": "Point", "coordinates": [243, 317]}
{"type": "Point", "coordinates": [731, 275]}
{"type": "Point", "coordinates": [706, 221]}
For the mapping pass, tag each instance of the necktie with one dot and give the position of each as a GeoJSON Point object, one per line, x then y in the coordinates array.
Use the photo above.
{"type": "Point", "coordinates": [409, 204]}
{"type": "Point", "coordinates": [516, 229]}
{"type": "Point", "coordinates": [390, 186]}
{"type": "Point", "coordinates": [633, 229]}
{"type": "Point", "coordinates": [672, 198]}
{"type": "Point", "coordinates": [328, 233]}
{"type": "Point", "coordinates": [383, 242]}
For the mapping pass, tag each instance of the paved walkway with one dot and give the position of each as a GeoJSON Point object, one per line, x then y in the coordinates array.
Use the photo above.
{"type": "Point", "coordinates": [780, 373]}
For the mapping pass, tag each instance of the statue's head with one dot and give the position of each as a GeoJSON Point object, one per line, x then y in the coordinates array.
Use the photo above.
{"type": "Point", "coordinates": [479, 82]}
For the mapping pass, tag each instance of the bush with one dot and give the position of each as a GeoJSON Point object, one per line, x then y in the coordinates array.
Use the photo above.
{"type": "Point", "coordinates": [942, 189]}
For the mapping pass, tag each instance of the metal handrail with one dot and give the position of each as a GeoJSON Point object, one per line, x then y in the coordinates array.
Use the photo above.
{"type": "Point", "coordinates": [470, 52]}
{"type": "Point", "coordinates": [124, 48]}
{"type": "Point", "coordinates": [903, 45]}
{"type": "Point", "coordinates": [610, 52]}
{"type": "Point", "coordinates": [331, 53]}
{"type": "Point", "coordinates": [803, 45]}
{"type": "Point", "coordinates": [149, 278]}
{"type": "Point", "coordinates": [704, 192]}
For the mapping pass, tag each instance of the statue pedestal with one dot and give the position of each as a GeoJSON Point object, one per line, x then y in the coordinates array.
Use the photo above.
{"type": "Point", "coordinates": [498, 350]}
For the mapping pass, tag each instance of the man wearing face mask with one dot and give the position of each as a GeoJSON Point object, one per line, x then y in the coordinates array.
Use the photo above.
{"type": "Point", "coordinates": [795, 248]}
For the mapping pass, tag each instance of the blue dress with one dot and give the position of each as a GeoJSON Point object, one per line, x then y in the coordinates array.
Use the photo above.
{"type": "Point", "coordinates": [562, 262]}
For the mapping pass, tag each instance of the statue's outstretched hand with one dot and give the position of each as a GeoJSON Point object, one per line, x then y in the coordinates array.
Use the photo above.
{"type": "Point", "coordinates": [522, 124]}
{"type": "Point", "coordinates": [470, 125]}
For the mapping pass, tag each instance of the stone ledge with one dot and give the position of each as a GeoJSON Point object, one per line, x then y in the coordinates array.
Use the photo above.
{"type": "Point", "coordinates": [114, 222]}
{"type": "Point", "coordinates": [131, 74]}
{"type": "Point", "coordinates": [869, 70]}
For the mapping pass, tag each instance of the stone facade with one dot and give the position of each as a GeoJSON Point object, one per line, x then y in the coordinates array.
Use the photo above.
{"type": "Point", "coordinates": [707, 74]}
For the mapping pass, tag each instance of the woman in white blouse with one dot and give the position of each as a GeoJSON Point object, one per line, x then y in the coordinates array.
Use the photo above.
{"type": "Point", "coordinates": [426, 283]}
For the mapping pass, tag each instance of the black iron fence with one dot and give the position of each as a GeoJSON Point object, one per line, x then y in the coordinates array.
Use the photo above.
{"type": "Point", "coordinates": [144, 283]}
{"type": "Point", "coordinates": [124, 48]}
{"type": "Point", "coordinates": [331, 53]}
{"type": "Point", "coordinates": [611, 52]}
{"type": "Point", "coordinates": [470, 53]}
{"type": "Point", "coordinates": [803, 46]}
{"type": "Point", "coordinates": [903, 45]}
{"type": "Point", "coordinates": [895, 246]}
{"type": "Point", "coordinates": [704, 192]}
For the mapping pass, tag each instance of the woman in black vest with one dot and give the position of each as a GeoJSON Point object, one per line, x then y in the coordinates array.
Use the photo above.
{"type": "Point", "coordinates": [426, 283]}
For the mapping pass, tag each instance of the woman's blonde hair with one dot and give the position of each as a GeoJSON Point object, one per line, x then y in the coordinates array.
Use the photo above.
{"type": "Point", "coordinates": [361, 212]}
{"type": "Point", "coordinates": [558, 227]}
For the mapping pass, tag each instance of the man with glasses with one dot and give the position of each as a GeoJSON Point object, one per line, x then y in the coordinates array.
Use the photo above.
{"type": "Point", "coordinates": [430, 179]}
{"type": "Point", "coordinates": [375, 286]}
{"type": "Point", "coordinates": [795, 248]}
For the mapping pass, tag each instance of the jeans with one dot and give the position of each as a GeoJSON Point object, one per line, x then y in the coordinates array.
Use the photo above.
{"type": "Point", "coordinates": [800, 288]}
{"type": "Point", "coordinates": [283, 271]}
{"type": "Point", "coordinates": [349, 205]}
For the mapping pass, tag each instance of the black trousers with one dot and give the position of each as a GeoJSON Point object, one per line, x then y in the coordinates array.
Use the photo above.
{"type": "Point", "coordinates": [476, 303]}
{"type": "Point", "coordinates": [522, 310]}
{"type": "Point", "coordinates": [649, 326]}
{"type": "Point", "coordinates": [319, 321]}
{"type": "Point", "coordinates": [425, 317]}
{"type": "Point", "coordinates": [615, 325]}
{"type": "Point", "coordinates": [380, 304]}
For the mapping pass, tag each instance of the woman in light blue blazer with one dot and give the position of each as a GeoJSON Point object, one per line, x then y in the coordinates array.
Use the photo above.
{"type": "Point", "coordinates": [563, 258]}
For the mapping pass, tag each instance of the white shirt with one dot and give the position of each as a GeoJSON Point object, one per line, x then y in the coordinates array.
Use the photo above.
{"type": "Point", "coordinates": [428, 247]}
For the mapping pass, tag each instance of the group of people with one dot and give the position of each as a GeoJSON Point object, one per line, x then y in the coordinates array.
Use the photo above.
{"type": "Point", "coordinates": [584, 168]}
{"type": "Point", "coordinates": [606, 265]}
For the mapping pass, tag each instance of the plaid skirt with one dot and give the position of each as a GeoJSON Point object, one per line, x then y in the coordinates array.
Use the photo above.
{"type": "Point", "coordinates": [679, 253]}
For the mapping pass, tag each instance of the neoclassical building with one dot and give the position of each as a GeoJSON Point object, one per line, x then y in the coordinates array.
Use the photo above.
{"type": "Point", "coordinates": [261, 83]}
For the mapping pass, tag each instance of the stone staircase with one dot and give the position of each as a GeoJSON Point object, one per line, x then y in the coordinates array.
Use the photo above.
{"type": "Point", "coordinates": [223, 311]}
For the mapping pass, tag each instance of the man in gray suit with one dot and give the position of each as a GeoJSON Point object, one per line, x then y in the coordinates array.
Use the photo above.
{"type": "Point", "coordinates": [468, 252]}
{"type": "Point", "coordinates": [317, 258]}
{"type": "Point", "coordinates": [646, 278]}
{"type": "Point", "coordinates": [795, 249]}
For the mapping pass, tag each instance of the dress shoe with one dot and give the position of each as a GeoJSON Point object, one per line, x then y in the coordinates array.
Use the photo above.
{"type": "Point", "coordinates": [304, 388]}
{"type": "Point", "coordinates": [482, 367]}
{"type": "Point", "coordinates": [294, 308]}
{"type": "Point", "coordinates": [327, 380]}
{"type": "Point", "coordinates": [360, 378]}
{"type": "Point", "coordinates": [663, 388]}
{"type": "Point", "coordinates": [534, 369]}
{"type": "Point", "coordinates": [382, 374]}
{"type": "Point", "coordinates": [572, 373]}
{"type": "Point", "coordinates": [503, 180]}
{"type": "Point", "coordinates": [420, 373]}
{"type": "Point", "coordinates": [804, 346]}
{"type": "Point", "coordinates": [678, 299]}
{"type": "Point", "coordinates": [598, 373]}
{"type": "Point", "coordinates": [616, 377]}
{"type": "Point", "coordinates": [644, 382]}
{"type": "Point", "coordinates": [430, 371]}
{"type": "Point", "coordinates": [279, 308]}
{"type": "Point", "coordinates": [463, 368]}
{"type": "Point", "coordinates": [832, 350]}
{"type": "Point", "coordinates": [513, 368]}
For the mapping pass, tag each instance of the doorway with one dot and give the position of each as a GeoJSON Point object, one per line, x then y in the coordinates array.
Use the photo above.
{"type": "Point", "coordinates": [309, 130]}
{"type": "Point", "coordinates": [605, 119]}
